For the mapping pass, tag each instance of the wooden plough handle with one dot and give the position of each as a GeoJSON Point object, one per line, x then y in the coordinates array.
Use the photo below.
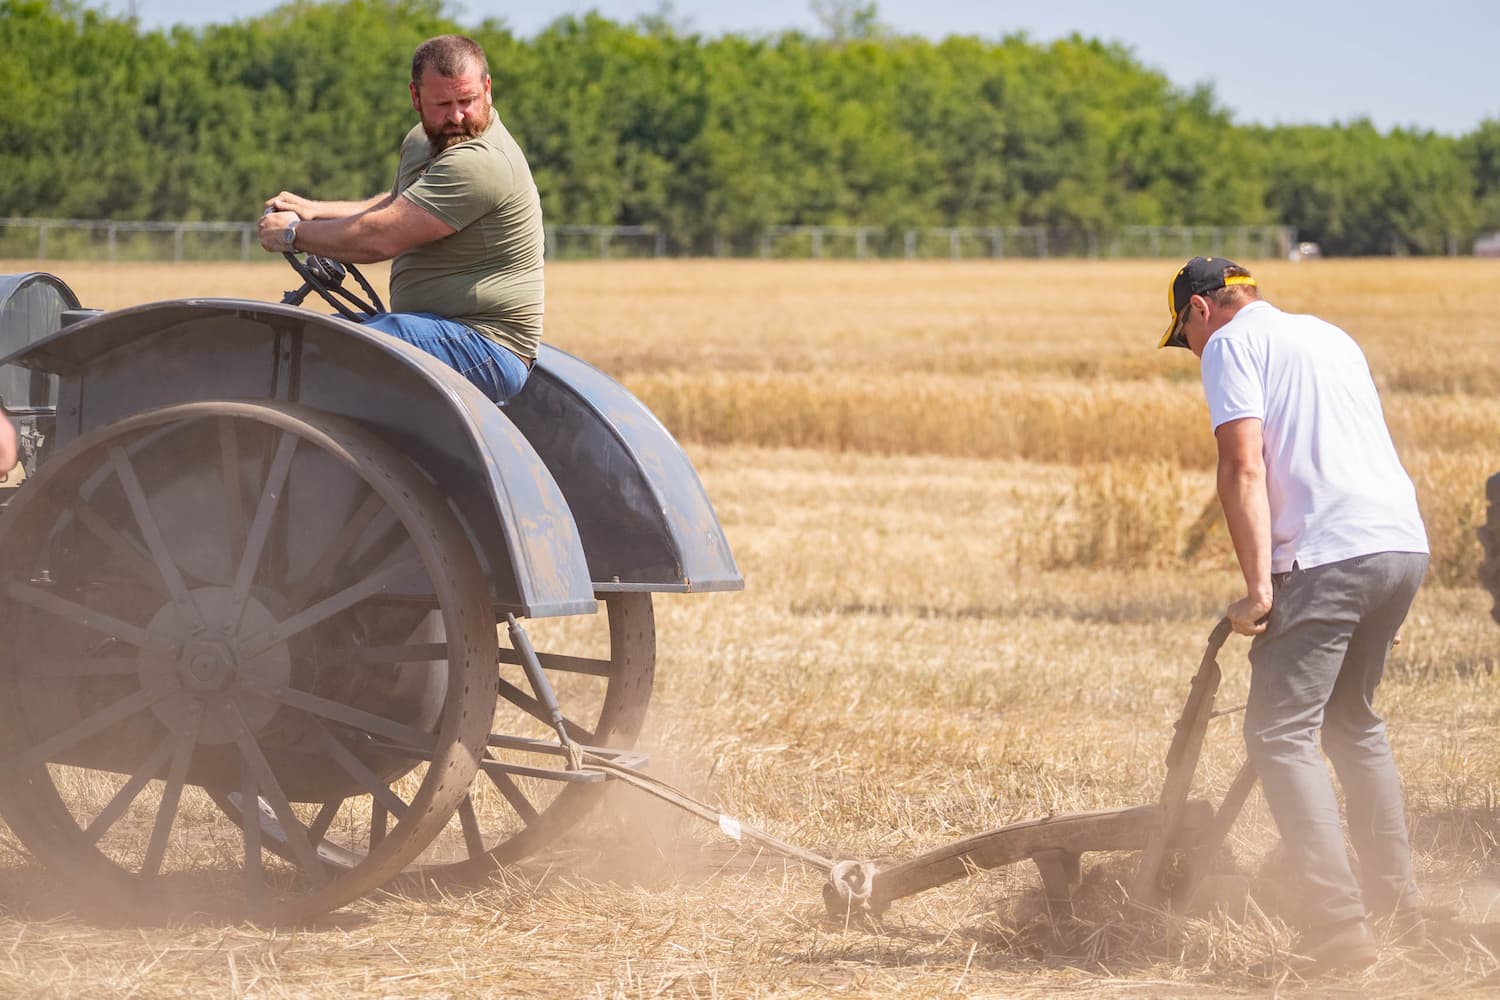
{"type": "Point", "coordinates": [1182, 762]}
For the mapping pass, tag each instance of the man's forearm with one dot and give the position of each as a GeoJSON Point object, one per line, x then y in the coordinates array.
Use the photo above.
{"type": "Point", "coordinates": [343, 209]}
{"type": "Point", "coordinates": [388, 227]}
{"type": "Point", "coordinates": [1247, 511]}
{"type": "Point", "coordinates": [351, 239]}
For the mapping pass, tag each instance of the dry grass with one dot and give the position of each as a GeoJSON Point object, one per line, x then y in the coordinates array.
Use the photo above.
{"type": "Point", "coordinates": [967, 500]}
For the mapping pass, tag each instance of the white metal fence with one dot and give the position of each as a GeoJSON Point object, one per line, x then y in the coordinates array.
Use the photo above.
{"type": "Point", "coordinates": [98, 239]}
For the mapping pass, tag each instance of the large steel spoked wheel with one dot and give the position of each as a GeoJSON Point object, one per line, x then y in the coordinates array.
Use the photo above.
{"type": "Point", "coordinates": [211, 602]}
{"type": "Point", "coordinates": [524, 800]}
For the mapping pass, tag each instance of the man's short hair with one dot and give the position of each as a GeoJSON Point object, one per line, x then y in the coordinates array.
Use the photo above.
{"type": "Point", "coordinates": [449, 56]}
{"type": "Point", "coordinates": [1232, 293]}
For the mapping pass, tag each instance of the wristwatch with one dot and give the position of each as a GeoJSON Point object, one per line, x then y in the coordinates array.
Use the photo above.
{"type": "Point", "coordinates": [289, 237]}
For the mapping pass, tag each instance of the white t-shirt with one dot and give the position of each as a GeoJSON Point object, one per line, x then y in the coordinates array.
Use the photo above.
{"type": "Point", "coordinates": [1336, 486]}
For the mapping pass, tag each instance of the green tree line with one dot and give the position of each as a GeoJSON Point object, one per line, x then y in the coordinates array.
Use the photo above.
{"type": "Point", "coordinates": [705, 137]}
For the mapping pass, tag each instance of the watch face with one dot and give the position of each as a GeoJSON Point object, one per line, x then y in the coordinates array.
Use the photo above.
{"type": "Point", "coordinates": [289, 235]}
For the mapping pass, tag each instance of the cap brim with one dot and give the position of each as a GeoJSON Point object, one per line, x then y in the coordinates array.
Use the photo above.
{"type": "Point", "coordinates": [1173, 337]}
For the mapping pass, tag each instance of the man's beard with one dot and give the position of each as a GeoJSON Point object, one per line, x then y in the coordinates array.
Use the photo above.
{"type": "Point", "coordinates": [451, 135]}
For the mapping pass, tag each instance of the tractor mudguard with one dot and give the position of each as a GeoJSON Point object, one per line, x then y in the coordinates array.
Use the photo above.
{"type": "Point", "coordinates": [31, 308]}
{"type": "Point", "coordinates": [120, 363]}
{"type": "Point", "coordinates": [641, 510]}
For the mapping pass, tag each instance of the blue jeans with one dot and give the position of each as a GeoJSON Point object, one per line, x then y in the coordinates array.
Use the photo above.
{"type": "Point", "coordinates": [499, 373]}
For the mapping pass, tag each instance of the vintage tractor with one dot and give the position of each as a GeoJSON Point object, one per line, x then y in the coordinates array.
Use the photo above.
{"type": "Point", "coordinates": [1489, 538]}
{"type": "Point", "coordinates": [249, 593]}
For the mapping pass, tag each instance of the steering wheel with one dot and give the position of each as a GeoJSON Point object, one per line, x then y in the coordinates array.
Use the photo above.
{"type": "Point", "coordinates": [325, 276]}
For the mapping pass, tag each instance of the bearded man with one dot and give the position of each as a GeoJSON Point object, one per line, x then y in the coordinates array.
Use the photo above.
{"type": "Point", "coordinates": [462, 225]}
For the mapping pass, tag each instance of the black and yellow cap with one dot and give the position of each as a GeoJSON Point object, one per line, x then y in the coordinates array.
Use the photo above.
{"type": "Point", "coordinates": [1197, 277]}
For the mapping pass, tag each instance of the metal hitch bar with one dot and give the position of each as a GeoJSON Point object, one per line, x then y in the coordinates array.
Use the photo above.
{"type": "Point", "coordinates": [1192, 828]}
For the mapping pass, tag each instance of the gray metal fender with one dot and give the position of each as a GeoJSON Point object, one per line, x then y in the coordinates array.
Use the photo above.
{"type": "Point", "coordinates": [645, 519]}
{"type": "Point", "coordinates": [119, 363]}
{"type": "Point", "coordinates": [31, 308]}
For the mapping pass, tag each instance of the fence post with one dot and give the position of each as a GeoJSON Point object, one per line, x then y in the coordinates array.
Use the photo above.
{"type": "Point", "coordinates": [660, 249]}
{"type": "Point", "coordinates": [909, 240]}
{"type": "Point", "coordinates": [111, 242]}
{"type": "Point", "coordinates": [859, 244]}
{"type": "Point", "coordinates": [1041, 241]}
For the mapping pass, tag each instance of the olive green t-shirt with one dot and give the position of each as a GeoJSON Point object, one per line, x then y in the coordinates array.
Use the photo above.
{"type": "Point", "coordinates": [487, 274]}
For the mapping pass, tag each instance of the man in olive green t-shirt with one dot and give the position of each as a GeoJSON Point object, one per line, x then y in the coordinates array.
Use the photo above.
{"type": "Point", "coordinates": [463, 224]}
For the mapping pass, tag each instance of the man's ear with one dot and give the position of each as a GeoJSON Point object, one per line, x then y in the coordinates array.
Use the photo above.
{"type": "Point", "coordinates": [416, 103]}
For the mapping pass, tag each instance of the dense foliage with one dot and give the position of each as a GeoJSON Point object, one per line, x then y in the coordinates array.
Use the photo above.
{"type": "Point", "coordinates": [705, 137]}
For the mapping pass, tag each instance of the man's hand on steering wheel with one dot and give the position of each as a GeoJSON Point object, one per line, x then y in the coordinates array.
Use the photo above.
{"type": "Point", "coordinates": [319, 274]}
{"type": "Point", "coordinates": [272, 229]}
{"type": "Point", "coordinates": [287, 201]}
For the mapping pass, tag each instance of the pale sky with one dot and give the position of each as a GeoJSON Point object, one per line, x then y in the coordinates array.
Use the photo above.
{"type": "Point", "coordinates": [1429, 65]}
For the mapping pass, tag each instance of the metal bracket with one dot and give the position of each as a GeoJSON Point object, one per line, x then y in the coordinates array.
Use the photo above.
{"type": "Point", "coordinates": [542, 688]}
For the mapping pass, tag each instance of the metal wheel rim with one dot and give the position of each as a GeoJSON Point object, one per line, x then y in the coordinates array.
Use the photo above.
{"type": "Point", "coordinates": [37, 811]}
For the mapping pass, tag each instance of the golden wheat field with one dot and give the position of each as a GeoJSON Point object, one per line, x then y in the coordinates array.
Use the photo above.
{"type": "Point", "coordinates": [974, 510]}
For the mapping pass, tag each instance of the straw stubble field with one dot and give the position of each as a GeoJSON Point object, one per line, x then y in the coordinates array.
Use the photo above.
{"type": "Point", "coordinates": [974, 509]}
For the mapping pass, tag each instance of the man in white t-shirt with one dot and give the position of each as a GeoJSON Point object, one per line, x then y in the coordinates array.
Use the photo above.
{"type": "Point", "coordinates": [1325, 525]}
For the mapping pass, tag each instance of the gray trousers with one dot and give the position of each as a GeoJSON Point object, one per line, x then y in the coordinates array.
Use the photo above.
{"type": "Point", "coordinates": [1316, 668]}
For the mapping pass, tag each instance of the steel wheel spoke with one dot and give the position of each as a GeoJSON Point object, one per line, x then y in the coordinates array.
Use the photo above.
{"type": "Point", "coordinates": [469, 820]}
{"type": "Point", "coordinates": [535, 709]}
{"type": "Point", "coordinates": [260, 528]}
{"type": "Point", "coordinates": [318, 577]}
{"type": "Point", "coordinates": [43, 671]}
{"type": "Point", "coordinates": [513, 794]}
{"type": "Point", "coordinates": [327, 608]}
{"type": "Point", "coordinates": [140, 507]}
{"type": "Point", "coordinates": [291, 828]}
{"type": "Point", "coordinates": [377, 825]}
{"type": "Point", "coordinates": [171, 798]}
{"type": "Point", "coordinates": [117, 805]}
{"type": "Point", "coordinates": [234, 498]}
{"type": "Point", "coordinates": [78, 614]}
{"type": "Point", "coordinates": [357, 770]}
{"type": "Point", "coordinates": [135, 445]}
{"type": "Point", "coordinates": [250, 826]}
{"type": "Point", "coordinates": [421, 652]}
{"type": "Point", "coordinates": [82, 730]}
{"type": "Point", "coordinates": [562, 663]}
{"type": "Point", "coordinates": [419, 741]}
{"type": "Point", "coordinates": [136, 560]}
{"type": "Point", "coordinates": [324, 820]}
